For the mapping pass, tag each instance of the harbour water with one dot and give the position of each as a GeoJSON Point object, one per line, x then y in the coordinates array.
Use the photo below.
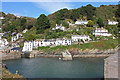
{"type": "Point", "coordinates": [55, 68]}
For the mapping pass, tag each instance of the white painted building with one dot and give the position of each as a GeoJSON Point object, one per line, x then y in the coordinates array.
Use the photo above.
{"type": "Point", "coordinates": [59, 27]}
{"type": "Point", "coordinates": [80, 37]}
{"type": "Point", "coordinates": [18, 16]}
{"type": "Point", "coordinates": [101, 32]}
{"type": "Point", "coordinates": [112, 22]}
{"type": "Point", "coordinates": [1, 34]}
{"type": "Point", "coordinates": [63, 42]}
{"type": "Point", "coordinates": [24, 31]}
{"type": "Point", "coordinates": [28, 46]}
{"type": "Point", "coordinates": [19, 35]}
{"type": "Point", "coordinates": [14, 38]}
{"type": "Point", "coordinates": [81, 22]}
{"type": "Point", "coordinates": [3, 42]}
{"type": "Point", "coordinates": [2, 18]}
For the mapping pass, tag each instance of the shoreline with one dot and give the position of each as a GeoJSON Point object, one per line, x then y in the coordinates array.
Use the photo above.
{"type": "Point", "coordinates": [87, 53]}
{"type": "Point", "coordinates": [58, 56]}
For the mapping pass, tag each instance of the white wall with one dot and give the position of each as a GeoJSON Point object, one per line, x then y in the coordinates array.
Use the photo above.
{"type": "Point", "coordinates": [112, 22]}
{"type": "Point", "coordinates": [81, 22]}
{"type": "Point", "coordinates": [28, 46]}
{"type": "Point", "coordinates": [101, 32]}
{"type": "Point", "coordinates": [79, 37]}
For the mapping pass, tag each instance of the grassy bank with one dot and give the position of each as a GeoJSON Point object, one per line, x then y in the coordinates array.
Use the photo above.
{"type": "Point", "coordinates": [101, 45]}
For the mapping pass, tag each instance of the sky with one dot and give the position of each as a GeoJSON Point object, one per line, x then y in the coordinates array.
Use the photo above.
{"type": "Point", "coordinates": [34, 9]}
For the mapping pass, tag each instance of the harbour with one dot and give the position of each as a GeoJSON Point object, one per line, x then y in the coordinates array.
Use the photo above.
{"type": "Point", "coordinates": [55, 68]}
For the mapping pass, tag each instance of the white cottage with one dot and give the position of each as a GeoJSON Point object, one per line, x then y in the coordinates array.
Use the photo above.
{"type": "Point", "coordinates": [81, 22]}
{"type": "Point", "coordinates": [1, 34]}
{"type": "Point", "coordinates": [80, 37]}
{"type": "Point", "coordinates": [14, 38]}
{"type": "Point", "coordinates": [112, 22]}
{"type": "Point", "coordinates": [59, 27]}
{"type": "Point", "coordinates": [101, 32]}
{"type": "Point", "coordinates": [63, 42]}
{"type": "Point", "coordinates": [3, 42]}
{"type": "Point", "coordinates": [28, 46]}
{"type": "Point", "coordinates": [19, 35]}
{"type": "Point", "coordinates": [2, 17]}
{"type": "Point", "coordinates": [24, 31]}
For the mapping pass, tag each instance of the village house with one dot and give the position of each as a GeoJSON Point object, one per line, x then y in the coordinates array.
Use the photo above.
{"type": "Point", "coordinates": [14, 38]}
{"type": "Point", "coordinates": [2, 18]}
{"type": "Point", "coordinates": [112, 22]}
{"type": "Point", "coordinates": [76, 38]}
{"type": "Point", "coordinates": [18, 16]}
{"type": "Point", "coordinates": [1, 34]}
{"type": "Point", "coordinates": [16, 49]}
{"type": "Point", "coordinates": [14, 33]}
{"type": "Point", "coordinates": [28, 46]}
{"type": "Point", "coordinates": [101, 32]}
{"type": "Point", "coordinates": [81, 22]}
{"type": "Point", "coordinates": [24, 31]}
{"type": "Point", "coordinates": [3, 42]}
{"type": "Point", "coordinates": [59, 27]}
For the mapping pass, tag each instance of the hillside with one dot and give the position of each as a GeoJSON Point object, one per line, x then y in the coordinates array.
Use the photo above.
{"type": "Point", "coordinates": [89, 12]}
{"type": "Point", "coordinates": [16, 23]}
{"type": "Point", "coordinates": [41, 27]}
{"type": "Point", "coordinates": [105, 12]}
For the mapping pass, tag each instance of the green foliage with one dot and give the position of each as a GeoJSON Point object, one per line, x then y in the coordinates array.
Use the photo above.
{"type": "Point", "coordinates": [113, 29]}
{"type": "Point", "coordinates": [30, 35]}
{"type": "Point", "coordinates": [101, 45]}
{"type": "Point", "coordinates": [43, 48]}
{"type": "Point", "coordinates": [118, 13]}
{"type": "Point", "coordinates": [85, 12]}
{"type": "Point", "coordinates": [100, 22]}
{"type": "Point", "coordinates": [42, 23]}
{"type": "Point", "coordinates": [90, 23]}
{"type": "Point", "coordinates": [15, 24]}
{"type": "Point", "coordinates": [106, 12]}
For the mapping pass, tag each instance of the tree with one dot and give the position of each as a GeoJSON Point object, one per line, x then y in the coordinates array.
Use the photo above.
{"type": "Point", "coordinates": [30, 34]}
{"type": "Point", "coordinates": [90, 23]}
{"type": "Point", "coordinates": [42, 23]}
{"type": "Point", "coordinates": [100, 22]}
{"type": "Point", "coordinates": [88, 11]}
{"type": "Point", "coordinates": [118, 12]}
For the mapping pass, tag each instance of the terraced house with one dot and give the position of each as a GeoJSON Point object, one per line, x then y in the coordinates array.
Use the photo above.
{"type": "Point", "coordinates": [28, 46]}
{"type": "Point", "coordinates": [101, 32]}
